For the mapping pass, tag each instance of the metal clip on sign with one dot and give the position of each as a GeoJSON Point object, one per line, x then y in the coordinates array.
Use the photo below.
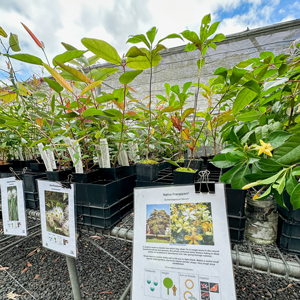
{"type": "Point", "coordinates": [24, 170]}
{"type": "Point", "coordinates": [66, 184]}
{"type": "Point", "coordinates": [15, 174]}
{"type": "Point", "coordinates": [208, 187]}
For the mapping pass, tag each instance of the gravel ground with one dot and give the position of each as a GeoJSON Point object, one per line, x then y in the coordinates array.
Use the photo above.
{"type": "Point", "coordinates": [44, 274]}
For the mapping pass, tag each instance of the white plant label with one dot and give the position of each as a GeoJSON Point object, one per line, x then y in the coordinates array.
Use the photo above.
{"type": "Point", "coordinates": [122, 157]}
{"type": "Point", "coordinates": [57, 217]}
{"type": "Point", "coordinates": [13, 206]}
{"type": "Point", "coordinates": [181, 245]}
{"type": "Point", "coordinates": [20, 150]}
{"type": "Point", "coordinates": [51, 158]}
{"type": "Point", "coordinates": [45, 157]}
{"type": "Point", "coordinates": [133, 148]}
{"type": "Point", "coordinates": [78, 165]}
{"type": "Point", "coordinates": [104, 158]}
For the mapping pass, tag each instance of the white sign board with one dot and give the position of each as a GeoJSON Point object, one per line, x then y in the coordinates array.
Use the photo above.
{"type": "Point", "coordinates": [57, 217]}
{"type": "Point", "coordinates": [181, 245]}
{"type": "Point", "coordinates": [13, 206]}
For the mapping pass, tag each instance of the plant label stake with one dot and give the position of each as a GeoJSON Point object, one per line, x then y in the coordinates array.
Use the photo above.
{"type": "Point", "coordinates": [184, 250]}
{"type": "Point", "coordinates": [76, 162]}
{"type": "Point", "coordinates": [104, 158]}
{"type": "Point", "coordinates": [122, 157]}
{"type": "Point", "coordinates": [20, 150]}
{"type": "Point", "coordinates": [45, 157]}
{"type": "Point", "coordinates": [13, 206]}
{"type": "Point", "coordinates": [51, 159]}
{"type": "Point", "coordinates": [133, 148]}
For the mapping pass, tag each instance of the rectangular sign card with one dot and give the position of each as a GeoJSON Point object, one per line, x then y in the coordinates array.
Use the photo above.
{"type": "Point", "coordinates": [57, 217]}
{"type": "Point", "coordinates": [13, 206]}
{"type": "Point", "coordinates": [181, 245]}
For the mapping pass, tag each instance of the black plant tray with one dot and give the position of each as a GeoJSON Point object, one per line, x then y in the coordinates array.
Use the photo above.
{"type": "Point", "coordinates": [32, 204]}
{"type": "Point", "coordinates": [288, 235]}
{"type": "Point", "coordinates": [184, 177]}
{"type": "Point", "coordinates": [59, 175]}
{"type": "Point", "coordinates": [147, 172]}
{"type": "Point", "coordinates": [236, 235]}
{"type": "Point", "coordinates": [126, 185]}
{"type": "Point", "coordinates": [131, 170]}
{"type": "Point", "coordinates": [35, 167]}
{"type": "Point", "coordinates": [104, 223]}
{"type": "Point", "coordinates": [5, 168]}
{"type": "Point", "coordinates": [112, 173]}
{"type": "Point", "coordinates": [29, 181]}
{"type": "Point", "coordinates": [31, 196]}
{"type": "Point", "coordinates": [92, 176]}
{"type": "Point", "coordinates": [289, 213]}
{"type": "Point", "coordinates": [235, 201]}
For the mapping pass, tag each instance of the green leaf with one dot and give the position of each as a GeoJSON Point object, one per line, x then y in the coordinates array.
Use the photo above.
{"type": "Point", "coordinates": [103, 50]}
{"type": "Point", "coordinates": [129, 76]}
{"type": "Point", "coordinates": [70, 115]}
{"type": "Point", "coordinates": [186, 113]}
{"type": "Point", "coordinates": [268, 165]}
{"type": "Point", "coordinates": [295, 197]}
{"type": "Point", "coordinates": [291, 183]}
{"type": "Point", "coordinates": [279, 81]}
{"type": "Point", "coordinates": [258, 176]}
{"type": "Point", "coordinates": [119, 95]}
{"type": "Point", "coordinates": [113, 112]}
{"type": "Point", "coordinates": [220, 161]}
{"type": "Point", "coordinates": [279, 198]}
{"type": "Point", "coordinates": [151, 34]}
{"type": "Point", "coordinates": [105, 98]}
{"type": "Point", "coordinates": [68, 47]}
{"type": "Point", "coordinates": [92, 111]}
{"type": "Point", "coordinates": [271, 179]}
{"type": "Point", "coordinates": [53, 103]}
{"type": "Point", "coordinates": [238, 180]}
{"type": "Point", "coordinates": [234, 139]}
{"type": "Point", "coordinates": [67, 56]}
{"type": "Point", "coordinates": [221, 71]}
{"type": "Point", "coordinates": [191, 36]}
{"type": "Point", "coordinates": [226, 177]}
{"type": "Point", "coordinates": [244, 97]}
{"type": "Point", "coordinates": [102, 73]}
{"type": "Point", "coordinates": [264, 101]}
{"type": "Point", "coordinates": [171, 36]}
{"type": "Point", "coordinates": [138, 39]}
{"type": "Point", "coordinates": [93, 59]}
{"type": "Point", "coordinates": [74, 72]}
{"type": "Point", "coordinates": [26, 58]}
{"type": "Point", "coordinates": [219, 37]}
{"type": "Point", "coordinates": [289, 152]}
{"type": "Point", "coordinates": [212, 29]}
{"type": "Point", "coordinates": [90, 86]}
{"type": "Point", "coordinates": [190, 47]}
{"type": "Point", "coordinates": [296, 171]}
{"type": "Point", "coordinates": [113, 128]}
{"type": "Point", "coordinates": [283, 69]}
{"type": "Point", "coordinates": [249, 116]}
{"type": "Point", "coordinates": [142, 62]}
{"type": "Point", "coordinates": [237, 74]}
{"type": "Point", "coordinates": [14, 42]}
{"type": "Point", "coordinates": [252, 85]}
{"type": "Point", "coordinates": [3, 33]}
{"type": "Point", "coordinates": [54, 85]}
{"type": "Point", "coordinates": [134, 51]}
{"type": "Point", "coordinates": [265, 194]}
{"type": "Point", "coordinates": [281, 184]}
{"type": "Point", "coordinates": [277, 138]}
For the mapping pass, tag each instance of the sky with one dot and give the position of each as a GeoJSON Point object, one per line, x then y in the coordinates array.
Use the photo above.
{"type": "Point", "coordinates": [151, 207]}
{"type": "Point", "coordinates": [113, 21]}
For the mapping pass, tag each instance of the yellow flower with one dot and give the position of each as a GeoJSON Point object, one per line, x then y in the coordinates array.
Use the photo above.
{"type": "Point", "coordinates": [264, 148]}
{"type": "Point", "coordinates": [206, 226]}
{"type": "Point", "coordinates": [174, 217]}
{"type": "Point", "coordinates": [246, 148]}
{"type": "Point", "coordinates": [194, 237]}
{"type": "Point", "coordinates": [182, 225]}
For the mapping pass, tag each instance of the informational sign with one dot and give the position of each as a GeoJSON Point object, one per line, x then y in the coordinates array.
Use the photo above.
{"type": "Point", "coordinates": [13, 206]}
{"type": "Point", "coordinates": [57, 217]}
{"type": "Point", "coordinates": [181, 245]}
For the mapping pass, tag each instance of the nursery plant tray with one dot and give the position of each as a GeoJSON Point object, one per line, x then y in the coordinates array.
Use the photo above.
{"type": "Point", "coordinates": [29, 181]}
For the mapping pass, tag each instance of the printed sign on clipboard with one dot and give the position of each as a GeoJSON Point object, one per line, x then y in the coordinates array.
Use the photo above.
{"type": "Point", "coordinates": [181, 245]}
{"type": "Point", "coordinates": [13, 206]}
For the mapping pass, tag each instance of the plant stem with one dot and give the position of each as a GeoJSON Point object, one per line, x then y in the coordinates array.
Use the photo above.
{"type": "Point", "coordinates": [293, 104]}
{"type": "Point", "coordinates": [149, 132]}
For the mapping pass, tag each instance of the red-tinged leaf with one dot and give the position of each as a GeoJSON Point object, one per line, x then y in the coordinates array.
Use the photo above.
{"type": "Point", "coordinates": [120, 105]}
{"type": "Point", "coordinates": [29, 264]}
{"type": "Point", "coordinates": [131, 113]}
{"type": "Point", "coordinates": [109, 268]}
{"type": "Point", "coordinates": [176, 122]}
{"type": "Point", "coordinates": [36, 276]}
{"type": "Point", "coordinates": [95, 237]}
{"type": "Point", "coordinates": [131, 89]}
{"type": "Point", "coordinates": [4, 268]}
{"type": "Point", "coordinates": [68, 282]}
{"type": "Point", "coordinates": [186, 134]}
{"type": "Point", "coordinates": [105, 293]}
{"type": "Point", "coordinates": [190, 147]}
{"type": "Point", "coordinates": [56, 259]}
{"type": "Point", "coordinates": [25, 270]}
{"type": "Point", "coordinates": [68, 105]}
{"type": "Point", "coordinates": [33, 36]}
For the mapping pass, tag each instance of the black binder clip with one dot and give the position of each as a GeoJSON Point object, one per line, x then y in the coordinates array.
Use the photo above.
{"type": "Point", "coordinates": [208, 187]}
{"type": "Point", "coordinates": [15, 174]}
{"type": "Point", "coordinates": [66, 184]}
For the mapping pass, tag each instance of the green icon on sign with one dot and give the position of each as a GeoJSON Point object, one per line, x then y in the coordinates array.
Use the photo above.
{"type": "Point", "coordinates": [168, 283]}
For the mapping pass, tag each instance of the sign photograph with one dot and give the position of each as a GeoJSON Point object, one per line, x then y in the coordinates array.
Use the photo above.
{"type": "Point", "coordinates": [181, 248]}
{"type": "Point", "coordinates": [13, 207]}
{"type": "Point", "coordinates": [57, 217]}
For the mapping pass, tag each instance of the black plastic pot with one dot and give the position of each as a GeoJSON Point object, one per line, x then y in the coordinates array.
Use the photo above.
{"type": "Point", "coordinates": [205, 158]}
{"type": "Point", "coordinates": [5, 168]}
{"type": "Point", "coordinates": [129, 170]}
{"type": "Point", "coordinates": [183, 177]}
{"type": "Point", "coordinates": [35, 167]}
{"type": "Point", "coordinates": [92, 176]}
{"type": "Point", "coordinates": [126, 186]}
{"type": "Point", "coordinates": [112, 173]}
{"type": "Point", "coordinates": [163, 165]}
{"type": "Point", "coordinates": [28, 162]}
{"type": "Point", "coordinates": [236, 212]}
{"type": "Point", "coordinates": [196, 164]}
{"type": "Point", "coordinates": [147, 172]}
{"type": "Point", "coordinates": [59, 175]}
{"type": "Point", "coordinates": [288, 234]}
{"type": "Point", "coordinates": [29, 181]}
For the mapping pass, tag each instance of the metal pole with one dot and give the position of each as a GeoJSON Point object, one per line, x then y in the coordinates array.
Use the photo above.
{"type": "Point", "coordinates": [123, 297]}
{"type": "Point", "coordinates": [74, 278]}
